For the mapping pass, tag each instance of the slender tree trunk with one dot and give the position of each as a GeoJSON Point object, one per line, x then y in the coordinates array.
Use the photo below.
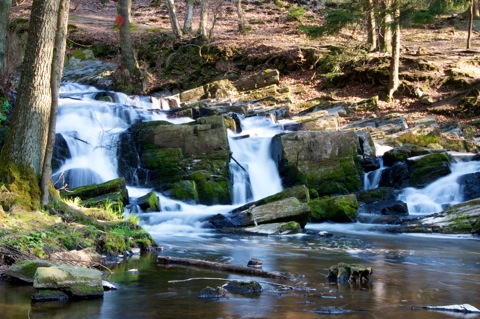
{"type": "Point", "coordinates": [57, 69]}
{"type": "Point", "coordinates": [385, 35]}
{"type": "Point", "coordinates": [241, 19]}
{"type": "Point", "coordinates": [470, 24]}
{"type": "Point", "coordinates": [128, 59]}
{"type": "Point", "coordinates": [173, 18]}
{"type": "Point", "coordinates": [27, 136]}
{"type": "Point", "coordinates": [5, 6]}
{"type": "Point", "coordinates": [203, 18]}
{"type": "Point", "coordinates": [395, 59]}
{"type": "Point", "coordinates": [372, 39]}
{"type": "Point", "coordinates": [187, 24]}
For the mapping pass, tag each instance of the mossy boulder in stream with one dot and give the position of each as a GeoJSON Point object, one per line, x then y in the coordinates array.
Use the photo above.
{"type": "Point", "coordinates": [429, 168]}
{"type": "Point", "coordinates": [75, 282]}
{"type": "Point", "coordinates": [25, 270]}
{"type": "Point", "coordinates": [327, 161]}
{"type": "Point", "coordinates": [340, 209]}
{"type": "Point", "coordinates": [189, 162]}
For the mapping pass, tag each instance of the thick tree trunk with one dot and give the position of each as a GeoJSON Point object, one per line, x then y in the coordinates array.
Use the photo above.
{"type": "Point", "coordinates": [128, 59]}
{"type": "Point", "coordinates": [187, 24]}
{"type": "Point", "coordinates": [470, 24]}
{"type": "Point", "coordinates": [5, 6]}
{"type": "Point", "coordinates": [203, 19]}
{"type": "Point", "coordinates": [173, 18]}
{"type": "Point", "coordinates": [57, 68]}
{"type": "Point", "coordinates": [372, 38]}
{"type": "Point", "coordinates": [241, 19]}
{"type": "Point", "coordinates": [27, 136]}
{"type": "Point", "coordinates": [395, 59]}
{"type": "Point", "coordinates": [385, 34]}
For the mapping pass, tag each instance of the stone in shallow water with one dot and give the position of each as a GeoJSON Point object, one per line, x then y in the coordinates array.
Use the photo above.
{"type": "Point", "coordinates": [212, 293]}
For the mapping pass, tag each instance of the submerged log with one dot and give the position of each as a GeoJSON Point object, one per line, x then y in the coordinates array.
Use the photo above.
{"type": "Point", "coordinates": [167, 260]}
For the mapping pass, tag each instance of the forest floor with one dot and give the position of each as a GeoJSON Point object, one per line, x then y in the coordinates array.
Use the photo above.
{"type": "Point", "coordinates": [442, 43]}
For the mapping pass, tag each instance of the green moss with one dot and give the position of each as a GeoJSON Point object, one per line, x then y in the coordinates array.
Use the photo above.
{"type": "Point", "coordinates": [114, 244]}
{"type": "Point", "coordinates": [23, 184]}
{"type": "Point", "coordinates": [185, 191]}
{"type": "Point", "coordinates": [290, 227]}
{"type": "Point", "coordinates": [336, 209]}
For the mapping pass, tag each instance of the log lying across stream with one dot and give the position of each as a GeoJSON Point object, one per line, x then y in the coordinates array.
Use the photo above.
{"type": "Point", "coordinates": [167, 260]}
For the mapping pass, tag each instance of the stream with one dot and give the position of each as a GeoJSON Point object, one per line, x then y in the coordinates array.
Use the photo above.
{"type": "Point", "coordinates": [409, 271]}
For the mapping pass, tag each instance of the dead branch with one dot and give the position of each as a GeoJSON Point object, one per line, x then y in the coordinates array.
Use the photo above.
{"type": "Point", "coordinates": [167, 260]}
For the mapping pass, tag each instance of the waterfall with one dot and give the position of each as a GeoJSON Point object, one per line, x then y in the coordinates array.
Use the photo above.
{"type": "Point", "coordinates": [254, 172]}
{"type": "Point", "coordinates": [440, 194]}
{"type": "Point", "coordinates": [372, 179]}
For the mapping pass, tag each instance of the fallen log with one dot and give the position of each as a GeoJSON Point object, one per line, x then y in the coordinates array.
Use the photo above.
{"type": "Point", "coordinates": [167, 260]}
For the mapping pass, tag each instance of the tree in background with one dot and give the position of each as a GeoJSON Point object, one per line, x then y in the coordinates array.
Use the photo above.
{"type": "Point", "coordinates": [5, 6]}
{"type": "Point", "coordinates": [470, 23]}
{"type": "Point", "coordinates": [24, 152]}
{"type": "Point", "coordinates": [202, 31]}
{"type": "Point", "coordinates": [394, 81]}
{"type": "Point", "coordinates": [172, 15]}
{"type": "Point", "coordinates": [187, 25]}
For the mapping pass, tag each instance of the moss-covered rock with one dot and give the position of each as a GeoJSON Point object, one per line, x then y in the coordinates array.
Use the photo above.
{"type": "Point", "coordinates": [25, 270]}
{"type": "Point", "coordinates": [149, 202]}
{"type": "Point", "coordinates": [274, 229]}
{"type": "Point", "coordinates": [244, 287]}
{"type": "Point", "coordinates": [95, 195]}
{"type": "Point", "coordinates": [340, 209]}
{"type": "Point", "coordinates": [429, 168]}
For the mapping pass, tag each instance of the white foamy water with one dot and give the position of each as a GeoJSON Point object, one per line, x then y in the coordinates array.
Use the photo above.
{"type": "Point", "coordinates": [443, 192]}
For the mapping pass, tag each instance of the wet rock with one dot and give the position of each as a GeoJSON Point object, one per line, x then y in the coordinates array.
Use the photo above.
{"type": "Point", "coordinates": [285, 210]}
{"type": "Point", "coordinates": [461, 218]}
{"type": "Point", "coordinates": [243, 287]}
{"type": "Point", "coordinates": [470, 184]}
{"type": "Point", "coordinates": [345, 273]}
{"type": "Point", "coordinates": [402, 153]}
{"type": "Point", "coordinates": [61, 152]}
{"type": "Point", "coordinates": [327, 161]}
{"type": "Point", "coordinates": [99, 194]}
{"type": "Point", "coordinates": [25, 270]}
{"type": "Point", "coordinates": [340, 209]}
{"type": "Point", "coordinates": [274, 229]}
{"type": "Point", "coordinates": [212, 293]}
{"type": "Point", "coordinates": [330, 310]}
{"type": "Point", "coordinates": [76, 282]}
{"type": "Point", "coordinates": [465, 308]}
{"type": "Point", "coordinates": [395, 176]}
{"type": "Point", "coordinates": [255, 263]}
{"type": "Point", "coordinates": [49, 295]}
{"type": "Point", "coordinates": [149, 202]}
{"type": "Point", "coordinates": [428, 168]}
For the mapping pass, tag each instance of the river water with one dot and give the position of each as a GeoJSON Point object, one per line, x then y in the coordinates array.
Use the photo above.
{"type": "Point", "coordinates": [409, 271]}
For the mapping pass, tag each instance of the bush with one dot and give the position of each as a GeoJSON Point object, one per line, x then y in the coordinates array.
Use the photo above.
{"type": "Point", "coordinates": [295, 13]}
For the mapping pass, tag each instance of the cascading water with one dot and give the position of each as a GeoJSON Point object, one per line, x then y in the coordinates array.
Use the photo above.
{"type": "Point", "coordinates": [440, 194]}
{"type": "Point", "coordinates": [91, 129]}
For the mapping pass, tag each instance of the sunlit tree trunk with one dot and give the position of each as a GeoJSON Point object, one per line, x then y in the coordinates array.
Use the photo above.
{"type": "Point", "coordinates": [57, 68]}
{"type": "Point", "coordinates": [372, 39]}
{"type": "Point", "coordinates": [24, 149]}
{"type": "Point", "coordinates": [5, 6]}
{"type": "Point", "coordinates": [173, 18]}
{"type": "Point", "coordinates": [395, 59]}
{"type": "Point", "coordinates": [385, 34]}
{"type": "Point", "coordinates": [187, 24]}
{"type": "Point", "coordinates": [470, 24]}
{"type": "Point", "coordinates": [203, 19]}
{"type": "Point", "coordinates": [127, 59]}
{"type": "Point", "coordinates": [241, 19]}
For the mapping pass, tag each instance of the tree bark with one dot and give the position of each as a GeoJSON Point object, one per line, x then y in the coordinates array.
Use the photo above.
{"type": "Point", "coordinates": [203, 19]}
{"type": "Point", "coordinates": [385, 34]}
{"type": "Point", "coordinates": [128, 59]}
{"type": "Point", "coordinates": [173, 18]}
{"type": "Point", "coordinates": [241, 19]}
{"type": "Point", "coordinates": [5, 6]}
{"type": "Point", "coordinates": [187, 24]}
{"type": "Point", "coordinates": [27, 136]}
{"type": "Point", "coordinates": [395, 59]}
{"type": "Point", "coordinates": [470, 24]}
{"type": "Point", "coordinates": [57, 70]}
{"type": "Point", "coordinates": [372, 38]}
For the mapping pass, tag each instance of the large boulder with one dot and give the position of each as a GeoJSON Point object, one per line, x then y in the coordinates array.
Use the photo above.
{"type": "Point", "coordinates": [340, 209]}
{"type": "Point", "coordinates": [285, 210]}
{"type": "Point", "coordinates": [95, 195]}
{"type": "Point", "coordinates": [381, 205]}
{"type": "Point", "coordinates": [189, 162]}
{"type": "Point", "coordinates": [75, 282]}
{"type": "Point", "coordinates": [470, 184]}
{"type": "Point", "coordinates": [326, 161]}
{"type": "Point", "coordinates": [25, 270]}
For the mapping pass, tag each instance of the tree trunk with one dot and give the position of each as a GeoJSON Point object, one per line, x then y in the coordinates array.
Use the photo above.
{"type": "Point", "coordinates": [5, 6]}
{"type": "Point", "coordinates": [128, 59]}
{"type": "Point", "coordinates": [57, 68]}
{"type": "Point", "coordinates": [385, 35]}
{"type": "Point", "coordinates": [173, 18]}
{"type": "Point", "coordinates": [203, 18]}
{"type": "Point", "coordinates": [371, 26]}
{"type": "Point", "coordinates": [470, 24]}
{"type": "Point", "coordinates": [241, 19]}
{"type": "Point", "coordinates": [395, 59]}
{"type": "Point", "coordinates": [27, 136]}
{"type": "Point", "coordinates": [187, 25]}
